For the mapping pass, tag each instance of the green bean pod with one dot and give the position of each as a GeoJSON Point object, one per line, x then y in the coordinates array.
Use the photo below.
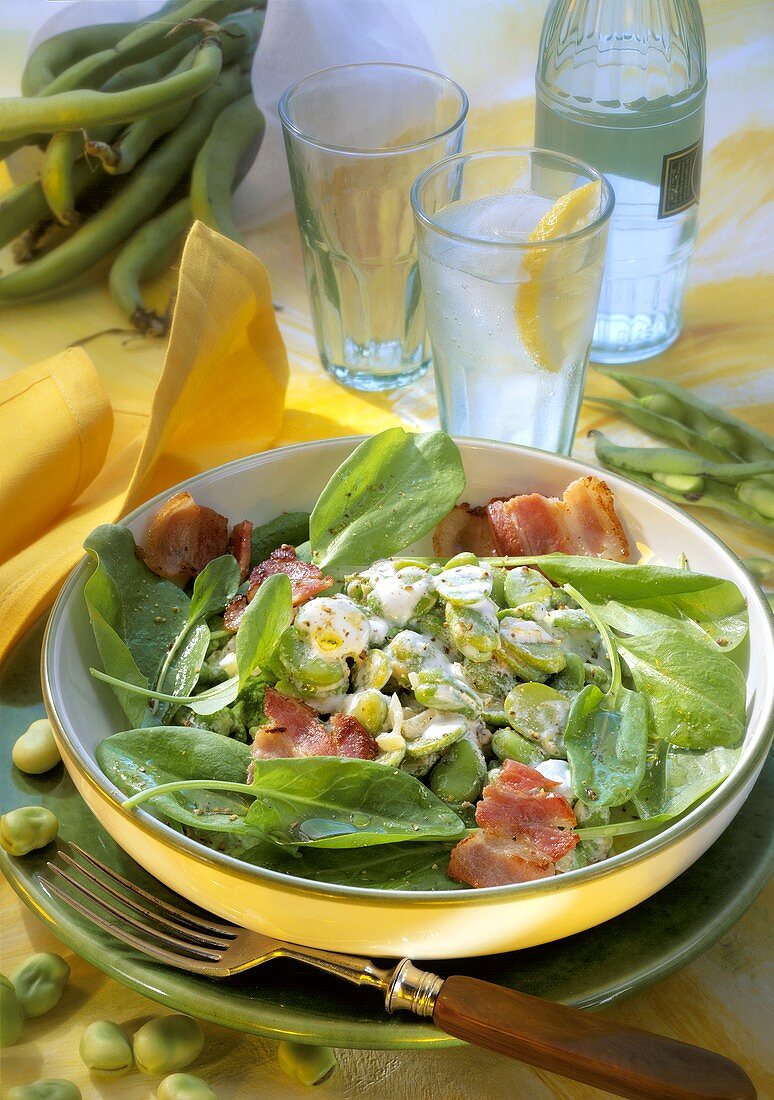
{"type": "Point", "coordinates": [672, 461]}
{"type": "Point", "coordinates": [149, 250]}
{"type": "Point", "coordinates": [722, 429]}
{"type": "Point", "coordinates": [148, 39]}
{"type": "Point", "coordinates": [56, 174]}
{"type": "Point", "coordinates": [239, 37]}
{"type": "Point", "coordinates": [143, 193]}
{"type": "Point", "coordinates": [26, 204]}
{"type": "Point", "coordinates": [56, 54]}
{"type": "Point", "coordinates": [665, 428]}
{"type": "Point", "coordinates": [79, 110]}
{"type": "Point", "coordinates": [235, 130]}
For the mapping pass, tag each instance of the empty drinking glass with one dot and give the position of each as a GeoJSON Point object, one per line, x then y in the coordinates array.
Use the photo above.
{"type": "Point", "coordinates": [357, 136]}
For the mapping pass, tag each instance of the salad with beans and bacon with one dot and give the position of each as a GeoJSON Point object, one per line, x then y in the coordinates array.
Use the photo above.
{"type": "Point", "coordinates": [310, 696]}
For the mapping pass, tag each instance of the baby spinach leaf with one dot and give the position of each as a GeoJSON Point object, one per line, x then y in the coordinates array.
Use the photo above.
{"type": "Point", "coordinates": [389, 867]}
{"type": "Point", "coordinates": [135, 615]}
{"type": "Point", "coordinates": [333, 802]}
{"type": "Point", "coordinates": [266, 618]}
{"type": "Point", "coordinates": [599, 579]}
{"type": "Point", "coordinates": [291, 528]}
{"type": "Point", "coordinates": [642, 619]}
{"type": "Point", "coordinates": [183, 673]}
{"type": "Point", "coordinates": [606, 736]}
{"type": "Point", "coordinates": [391, 490]}
{"type": "Point", "coordinates": [140, 759]}
{"type": "Point", "coordinates": [690, 777]}
{"type": "Point", "coordinates": [206, 702]}
{"type": "Point", "coordinates": [213, 588]}
{"type": "Point", "coordinates": [115, 654]}
{"type": "Point", "coordinates": [697, 695]}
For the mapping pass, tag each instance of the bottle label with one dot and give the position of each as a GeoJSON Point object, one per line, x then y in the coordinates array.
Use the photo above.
{"type": "Point", "coordinates": [680, 180]}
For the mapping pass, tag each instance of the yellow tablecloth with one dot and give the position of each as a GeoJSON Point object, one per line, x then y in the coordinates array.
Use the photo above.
{"type": "Point", "coordinates": [725, 352]}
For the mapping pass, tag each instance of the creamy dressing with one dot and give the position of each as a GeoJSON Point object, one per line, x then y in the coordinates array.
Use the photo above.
{"type": "Point", "coordinates": [559, 772]}
{"type": "Point", "coordinates": [334, 626]}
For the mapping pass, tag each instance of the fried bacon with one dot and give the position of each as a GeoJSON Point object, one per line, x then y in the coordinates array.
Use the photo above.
{"type": "Point", "coordinates": [584, 521]}
{"type": "Point", "coordinates": [524, 829]}
{"type": "Point", "coordinates": [183, 536]}
{"type": "Point", "coordinates": [239, 546]}
{"type": "Point", "coordinates": [306, 581]}
{"type": "Point", "coordinates": [293, 729]}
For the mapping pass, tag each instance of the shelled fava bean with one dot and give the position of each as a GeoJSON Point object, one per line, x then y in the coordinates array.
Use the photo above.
{"type": "Point", "coordinates": [167, 1044]}
{"type": "Point", "coordinates": [309, 1065]}
{"type": "Point", "coordinates": [40, 982]}
{"type": "Point", "coordinates": [11, 1013]}
{"type": "Point", "coordinates": [52, 1089]}
{"type": "Point", "coordinates": [35, 752]}
{"type": "Point", "coordinates": [105, 1049]}
{"type": "Point", "coordinates": [26, 829]}
{"type": "Point", "coordinates": [184, 1086]}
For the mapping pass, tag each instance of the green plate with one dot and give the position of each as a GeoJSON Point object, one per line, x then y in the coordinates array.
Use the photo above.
{"type": "Point", "coordinates": [285, 1000]}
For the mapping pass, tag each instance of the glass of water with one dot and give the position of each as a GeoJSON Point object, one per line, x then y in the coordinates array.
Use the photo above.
{"type": "Point", "coordinates": [511, 251]}
{"type": "Point", "coordinates": [356, 137]}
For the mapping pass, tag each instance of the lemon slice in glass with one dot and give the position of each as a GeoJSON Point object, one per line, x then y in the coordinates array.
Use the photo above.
{"type": "Point", "coordinates": [555, 303]}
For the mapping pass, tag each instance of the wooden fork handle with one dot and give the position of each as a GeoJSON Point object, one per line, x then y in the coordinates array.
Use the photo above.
{"type": "Point", "coordinates": [585, 1047]}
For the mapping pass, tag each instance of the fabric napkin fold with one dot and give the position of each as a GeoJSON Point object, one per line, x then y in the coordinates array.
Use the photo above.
{"type": "Point", "coordinates": [69, 463]}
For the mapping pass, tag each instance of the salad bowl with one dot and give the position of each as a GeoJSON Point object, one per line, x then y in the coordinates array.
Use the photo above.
{"type": "Point", "coordinates": [421, 923]}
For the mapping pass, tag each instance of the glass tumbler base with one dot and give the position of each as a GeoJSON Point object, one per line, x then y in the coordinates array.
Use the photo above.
{"type": "Point", "coordinates": [369, 382]}
{"type": "Point", "coordinates": [626, 349]}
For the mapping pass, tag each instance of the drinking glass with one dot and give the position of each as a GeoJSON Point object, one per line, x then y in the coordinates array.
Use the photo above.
{"type": "Point", "coordinates": [356, 137]}
{"type": "Point", "coordinates": [511, 290]}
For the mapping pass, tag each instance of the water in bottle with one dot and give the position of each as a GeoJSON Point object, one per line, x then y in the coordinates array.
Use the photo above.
{"type": "Point", "coordinates": [621, 85]}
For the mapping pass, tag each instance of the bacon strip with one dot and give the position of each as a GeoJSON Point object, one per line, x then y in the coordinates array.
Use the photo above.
{"type": "Point", "coordinates": [306, 581]}
{"type": "Point", "coordinates": [293, 729]}
{"type": "Point", "coordinates": [524, 829]}
{"type": "Point", "coordinates": [239, 546]}
{"type": "Point", "coordinates": [464, 528]}
{"type": "Point", "coordinates": [584, 521]}
{"type": "Point", "coordinates": [183, 536]}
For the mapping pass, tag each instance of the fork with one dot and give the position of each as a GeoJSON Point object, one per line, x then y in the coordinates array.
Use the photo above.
{"type": "Point", "coordinates": [555, 1037]}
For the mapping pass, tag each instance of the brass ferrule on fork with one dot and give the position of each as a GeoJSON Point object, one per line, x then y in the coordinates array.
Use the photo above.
{"type": "Point", "coordinates": [412, 989]}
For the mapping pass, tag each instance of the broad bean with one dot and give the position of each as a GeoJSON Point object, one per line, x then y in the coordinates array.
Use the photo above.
{"type": "Point", "coordinates": [435, 688]}
{"type": "Point", "coordinates": [167, 1044]}
{"type": "Point", "coordinates": [51, 1089]}
{"type": "Point", "coordinates": [36, 752]}
{"type": "Point", "coordinates": [40, 982]}
{"type": "Point", "coordinates": [525, 585]}
{"type": "Point", "coordinates": [460, 773]}
{"type": "Point", "coordinates": [27, 829]}
{"type": "Point", "coordinates": [539, 713]}
{"type": "Point", "coordinates": [573, 676]}
{"type": "Point", "coordinates": [309, 673]}
{"type": "Point", "coordinates": [105, 1049]}
{"type": "Point", "coordinates": [507, 744]}
{"type": "Point", "coordinates": [309, 1065]}
{"type": "Point", "coordinates": [529, 649]}
{"type": "Point", "coordinates": [432, 732]}
{"type": "Point", "coordinates": [184, 1086]}
{"type": "Point", "coordinates": [373, 671]}
{"type": "Point", "coordinates": [474, 629]}
{"type": "Point", "coordinates": [11, 1013]}
{"type": "Point", "coordinates": [464, 584]}
{"type": "Point", "coordinates": [369, 707]}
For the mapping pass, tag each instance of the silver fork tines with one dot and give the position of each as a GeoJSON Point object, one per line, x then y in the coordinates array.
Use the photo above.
{"type": "Point", "coordinates": [205, 945]}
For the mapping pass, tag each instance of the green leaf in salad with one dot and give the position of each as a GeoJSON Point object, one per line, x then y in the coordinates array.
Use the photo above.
{"type": "Point", "coordinates": [266, 618]}
{"type": "Point", "coordinates": [136, 615]}
{"type": "Point", "coordinates": [332, 802]}
{"type": "Point", "coordinates": [142, 759]}
{"type": "Point", "coordinates": [606, 736]}
{"type": "Point", "coordinates": [205, 702]}
{"type": "Point", "coordinates": [697, 694]}
{"type": "Point", "coordinates": [391, 491]}
{"type": "Point", "coordinates": [402, 866]}
{"type": "Point", "coordinates": [291, 528]}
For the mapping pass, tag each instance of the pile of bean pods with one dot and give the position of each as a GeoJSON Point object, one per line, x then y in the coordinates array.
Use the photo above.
{"type": "Point", "coordinates": [145, 128]}
{"type": "Point", "coordinates": [720, 463]}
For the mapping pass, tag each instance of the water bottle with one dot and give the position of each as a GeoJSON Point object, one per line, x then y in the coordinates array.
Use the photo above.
{"type": "Point", "coordinates": [621, 85]}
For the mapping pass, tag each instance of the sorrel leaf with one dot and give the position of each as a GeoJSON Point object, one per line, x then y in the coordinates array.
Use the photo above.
{"type": "Point", "coordinates": [391, 490]}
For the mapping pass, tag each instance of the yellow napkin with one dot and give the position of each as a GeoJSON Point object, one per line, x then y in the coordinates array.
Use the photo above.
{"type": "Point", "coordinates": [67, 463]}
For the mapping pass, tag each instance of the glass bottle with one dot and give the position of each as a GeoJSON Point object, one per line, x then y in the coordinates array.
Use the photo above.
{"type": "Point", "coordinates": [621, 85]}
